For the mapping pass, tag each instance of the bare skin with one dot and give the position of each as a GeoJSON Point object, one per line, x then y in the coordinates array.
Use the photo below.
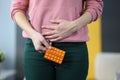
{"type": "Point", "coordinates": [58, 32]}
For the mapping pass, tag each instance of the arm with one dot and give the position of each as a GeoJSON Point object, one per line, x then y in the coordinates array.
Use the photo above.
{"type": "Point", "coordinates": [18, 11]}
{"type": "Point", "coordinates": [66, 28]}
{"type": "Point", "coordinates": [93, 10]}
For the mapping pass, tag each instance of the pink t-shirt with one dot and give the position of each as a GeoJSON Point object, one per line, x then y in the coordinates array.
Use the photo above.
{"type": "Point", "coordinates": [42, 11]}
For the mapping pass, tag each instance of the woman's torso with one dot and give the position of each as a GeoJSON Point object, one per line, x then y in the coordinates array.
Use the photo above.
{"type": "Point", "coordinates": [42, 11]}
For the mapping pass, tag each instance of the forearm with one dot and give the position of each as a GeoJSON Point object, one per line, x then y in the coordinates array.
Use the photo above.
{"type": "Point", "coordinates": [23, 23]}
{"type": "Point", "coordinates": [83, 20]}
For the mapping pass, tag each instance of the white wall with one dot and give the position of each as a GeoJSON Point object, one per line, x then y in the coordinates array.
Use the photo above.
{"type": "Point", "coordinates": [11, 40]}
{"type": "Point", "coordinates": [7, 34]}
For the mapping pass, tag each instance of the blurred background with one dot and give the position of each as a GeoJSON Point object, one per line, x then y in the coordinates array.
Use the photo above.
{"type": "Point", "coordinates": [104, 44]}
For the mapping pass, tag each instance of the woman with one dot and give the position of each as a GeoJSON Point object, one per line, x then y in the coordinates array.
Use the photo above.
{"type": "Point", "coordinates": [59, 23]}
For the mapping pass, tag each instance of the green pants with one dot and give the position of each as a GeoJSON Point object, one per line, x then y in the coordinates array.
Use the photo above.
{"type": "Point", "coordinates": [74, 66]}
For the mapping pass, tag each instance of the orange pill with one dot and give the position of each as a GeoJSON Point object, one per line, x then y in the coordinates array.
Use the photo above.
{"type": "Point", "coordinates": [54, 54]}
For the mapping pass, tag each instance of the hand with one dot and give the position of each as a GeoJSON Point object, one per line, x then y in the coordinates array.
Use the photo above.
{"type": "Point", "coordinates": [62, 30]}
{"type": "Point", "coordinates": [40, 43]}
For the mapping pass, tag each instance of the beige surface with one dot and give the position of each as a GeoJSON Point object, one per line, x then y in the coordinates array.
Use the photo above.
{"type": "Point", "coordinates": [107, 65]}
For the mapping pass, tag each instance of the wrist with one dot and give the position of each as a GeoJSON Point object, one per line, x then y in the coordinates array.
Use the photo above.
{"type": "Point", "coordinates": [83, 20]}
{"type": "Point", "coordinates": [32, 33]}
{"type": "Point", "coordinates": [76, 24]}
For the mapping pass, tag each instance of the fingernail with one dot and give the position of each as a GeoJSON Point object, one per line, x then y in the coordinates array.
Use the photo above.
{"type": "Point", "coordinates": [49, 47]}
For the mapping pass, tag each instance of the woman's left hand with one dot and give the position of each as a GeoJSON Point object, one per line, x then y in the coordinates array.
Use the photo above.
{"type": "Point", "coordinates": [62, 30]}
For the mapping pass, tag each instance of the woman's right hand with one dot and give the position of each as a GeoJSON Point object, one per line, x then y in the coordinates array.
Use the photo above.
{"type": "Point", "coordinates": [40, 43]}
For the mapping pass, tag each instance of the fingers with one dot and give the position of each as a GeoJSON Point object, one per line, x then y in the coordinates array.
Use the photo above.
{"type": "Point", "coordinates": [41, 45]}
{"type": "Point", "coordinates": [56, 39]}
{"type": "Point", "coordinates": [49, 33]}
{"type": "Point", "coordinates": [56, 21]}
{"type": "Point", "coordinates": [39, 48]}
{"type": "Point", "coordinates": [49, 27]}
{"type": "Point", "coordinates": [45, 43]}
{"type": "Point", "coordinates": [52, 36]}
{"type": "Point", "coordinates": [53, 27]}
